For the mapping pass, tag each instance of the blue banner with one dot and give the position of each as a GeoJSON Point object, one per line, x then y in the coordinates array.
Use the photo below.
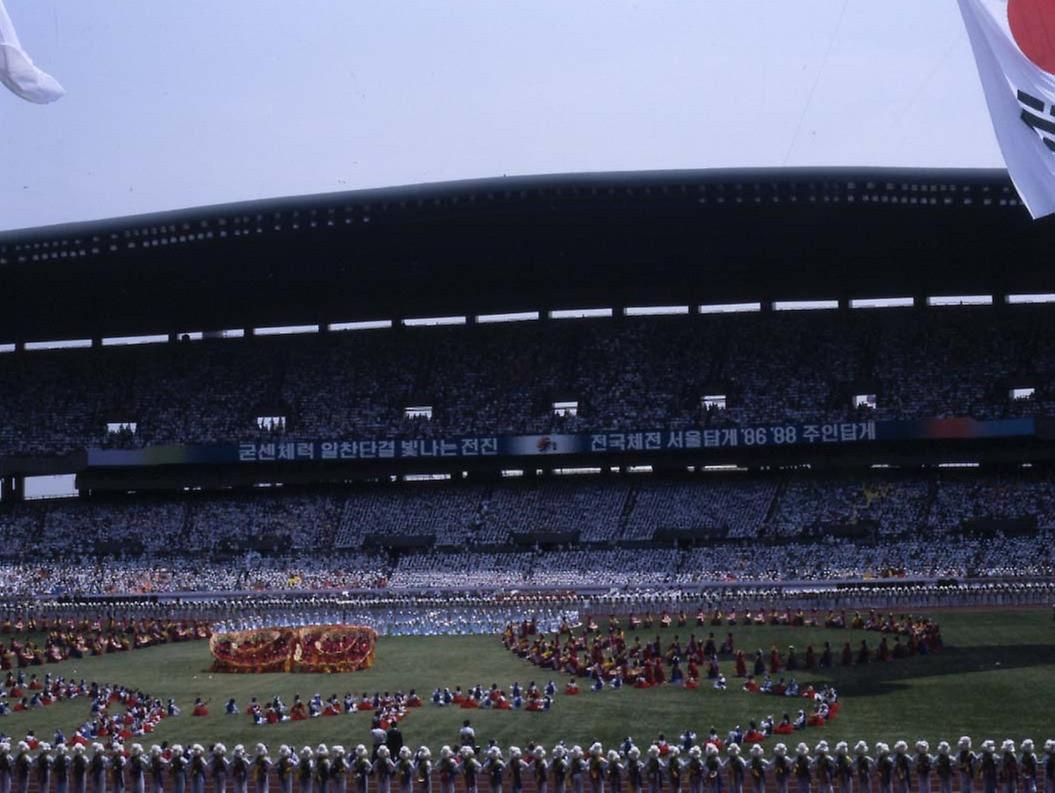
{"type": "Point", "coordinates": [473, 447]}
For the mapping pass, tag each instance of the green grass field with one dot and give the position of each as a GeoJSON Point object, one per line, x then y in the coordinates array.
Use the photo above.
{"type": "Point", "coordinates": [995, 678]}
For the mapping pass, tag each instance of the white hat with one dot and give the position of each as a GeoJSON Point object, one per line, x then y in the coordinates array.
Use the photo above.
{"type": "Point", "coordinates": [943, 747]}
{"type": "Point", "coordinates": [822, 747]}
{"type": "Point", "coordinates": [405, 753]}
{"type": "Point", "coordinates": [1008, 745]}
{"type": "Point", "coordinates": [514, 752]}
{"type": "Point", "coordinates": [964, 742]}
{"type": "Point", "coordinates": [653, 751]}
{"type": "Point", "coordinates": [922, 746]}
{"type": "Point", "coordinates": [757, 750]}
{"type": "Point", "coordinates": [382, 751]}
{"type": "Point", "coordinates": [733, 749]}
{"type": "Point", "coordinates": [694, 751]}
{"type": "Point", "coordinates": [1027, 745]}
{"type": "Point", "coordinates": [711, 749]}
{"type": "Point", "coordinates": [900, 747]}
{"type": "Point", "coordinates": [780, 750]}
{"type": "Point", "coordinates": [802, 749]}
{"type": "Point", "coordinates": [218, 749]}
{"type": "Point", "coordinates": [842, 748]}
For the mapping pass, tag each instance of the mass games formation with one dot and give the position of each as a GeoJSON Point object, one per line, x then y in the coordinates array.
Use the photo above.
{"type": "Point", "coordinates": [609, 659]}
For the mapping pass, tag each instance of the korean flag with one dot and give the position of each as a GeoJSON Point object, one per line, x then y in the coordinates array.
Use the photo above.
{"type": "Point", "coordinates": [1014, 49]}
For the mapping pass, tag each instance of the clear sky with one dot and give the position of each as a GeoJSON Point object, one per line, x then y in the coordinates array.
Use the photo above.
{"type": "Point", "coordinates": [176, 103]}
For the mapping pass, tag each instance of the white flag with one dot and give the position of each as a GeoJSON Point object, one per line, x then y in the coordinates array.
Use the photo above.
{"type": "Point", "coordinates": [1014, 48]}
{"type": "Point", "coordinates": [17, 70]}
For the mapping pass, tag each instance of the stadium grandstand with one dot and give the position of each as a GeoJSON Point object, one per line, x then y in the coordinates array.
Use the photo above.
{"type": "Point", "coordinates": [673, 378]}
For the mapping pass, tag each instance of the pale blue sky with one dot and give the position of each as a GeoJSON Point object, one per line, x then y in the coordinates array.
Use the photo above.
{"type": "Point", "coordinates": [176, 103]}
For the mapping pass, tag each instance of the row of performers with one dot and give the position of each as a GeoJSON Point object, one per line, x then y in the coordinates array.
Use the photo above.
{"type": "Point", "coordinates": [326, 770]}
{"type": "Point", "coordinates": [904, 624]}
{"type": "Point", "coordinates": [95, 625]}
{"type": "Point", "coordinates": [609, 656]}
{"type": "Point", "coordinates": [140, 716]}
{"type": "Point", "coordinates": [391, 708]}
{"type": "Point", "coordinates": [920, 632]}
{"type": "Point", "coordinates": [137, 721]}
{"type": "Point", "coordinates": [60, 645]}
{"type": "Point", "coordinates": [118, 768]}
{"type": "Point", "coordinates": [530, 697]}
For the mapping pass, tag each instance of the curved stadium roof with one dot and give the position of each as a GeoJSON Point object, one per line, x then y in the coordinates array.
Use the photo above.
{"type": "Point", "coordinates": [518, 243]}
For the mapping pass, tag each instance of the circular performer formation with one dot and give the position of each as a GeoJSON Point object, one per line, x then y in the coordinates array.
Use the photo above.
{"type": "Point", "coordinates": [312, 648]}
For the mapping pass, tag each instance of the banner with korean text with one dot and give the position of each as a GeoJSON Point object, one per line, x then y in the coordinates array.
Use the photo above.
{"type": "Point", "coordinates": [470, 447]}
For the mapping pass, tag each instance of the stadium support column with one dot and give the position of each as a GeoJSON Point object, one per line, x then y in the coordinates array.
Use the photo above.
{"type": "Point", "coordinates": [14, 490]}
{"type": "Point", "coordinates": [1000, 302]}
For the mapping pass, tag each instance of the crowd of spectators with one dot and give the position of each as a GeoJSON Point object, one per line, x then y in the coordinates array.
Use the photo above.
{"type": "Point", "coordinates": [584, 567]}
{"type": "Point", "coordinates": [146, 574]}
{"type": "Point", "coordinates": [814, 504]}
{"type": "Point", "coordinates": [711, 509]}
{"type": "Point", "coordinates": [628, 373]}
{"type": "Point", "coordinates": [737, 505]}
{"type": "Point", "coordinates": [1018, 497]}
{"type": "Point", "coordinates": [451, 511]}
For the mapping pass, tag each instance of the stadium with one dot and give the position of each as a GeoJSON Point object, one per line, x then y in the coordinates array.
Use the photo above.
{"type": "Point", "coordinates": [719, 433]}
{"type": "Point", "coordinates": [601, 474]}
